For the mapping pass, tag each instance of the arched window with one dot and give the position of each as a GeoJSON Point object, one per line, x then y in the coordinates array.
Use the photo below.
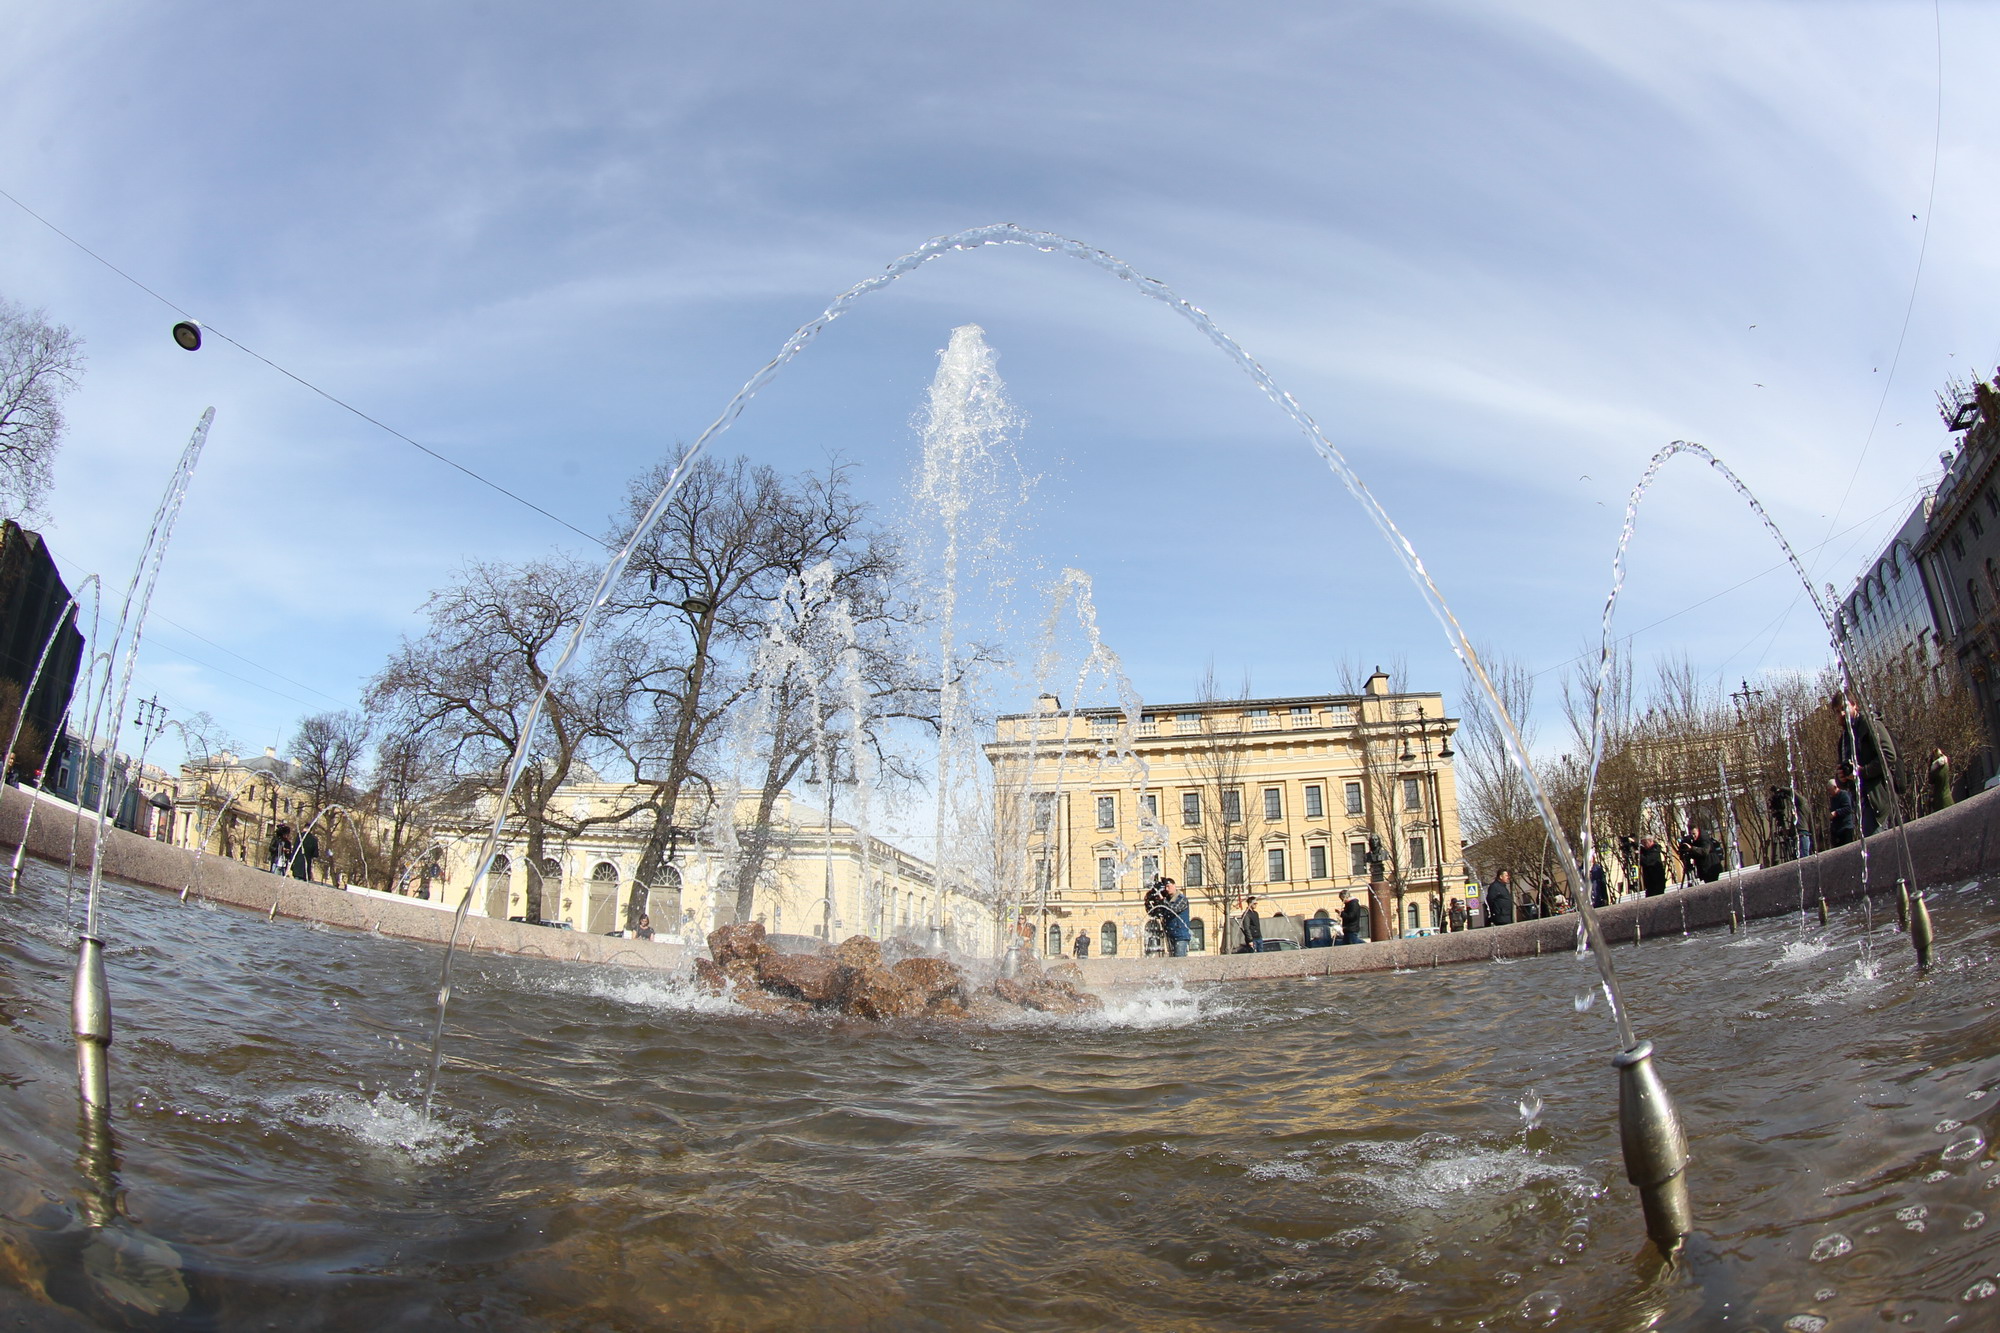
{"type": "Point", "coordinates": [1055, 940]}
{"type": "Point", "coordinates": [1197, 935]}
{"type": "Point", "coordinates": [603, 906]}
{"type": "Point", "coordinates": [1972, 595]}
{"type": "Point", "coordinates": [1416, 921]}
{"type": "Point", "coordinates": [1107, 939]}
{"type": "Point", "coordinates": [496, 888]}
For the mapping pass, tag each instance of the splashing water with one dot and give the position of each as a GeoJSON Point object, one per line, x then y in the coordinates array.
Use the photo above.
{"type": "Point", "coordinates": [1531, 1109]}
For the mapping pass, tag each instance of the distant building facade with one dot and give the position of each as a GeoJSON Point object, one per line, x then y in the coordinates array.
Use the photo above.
{"type": "Point", "coordinates": [1296, 801]}
{"type": "Point", "coordinates": [1887, 620]}
{"type": "Point", "coordinates": [1960, 548]}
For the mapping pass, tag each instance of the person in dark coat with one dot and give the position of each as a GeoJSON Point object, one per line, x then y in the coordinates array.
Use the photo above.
{"type": "Point", "coordinates": [1500, 900]}
{"type": "Point", "coordinates": [1083, 944]}
{"type": "Point", "coordinates": [1840, 811]}
{"type": "Point", "coordinates": [1652, 867]}
{"type": "Point", "coordinates": [1352, 918]}
{"type": "Point", "coordinates": [1456, 916]}
{"type": "Point", "coordinates": [1867, 747]}
{"type": "Point", "coordinates": [1252, 926]}
{"type": "Point", "coordinates": [302, 864]}
{"type": "Point", "coordinates": [281, 848]}
{"type": "Point", "coordinates": [1600, 893]}
{"type": "Point", "coordinates": [1940, 774]}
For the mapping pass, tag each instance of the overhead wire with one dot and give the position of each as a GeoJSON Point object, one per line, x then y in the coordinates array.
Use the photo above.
{"type": "Point", "coordinates": [299, 379]}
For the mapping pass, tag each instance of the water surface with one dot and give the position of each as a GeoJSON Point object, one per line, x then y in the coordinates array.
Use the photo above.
{"type": "Point", "coordinates": [616, 1151]}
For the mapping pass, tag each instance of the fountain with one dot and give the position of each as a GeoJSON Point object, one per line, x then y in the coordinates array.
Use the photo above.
{"type": "Point", "coordinates": [1280, 1154]}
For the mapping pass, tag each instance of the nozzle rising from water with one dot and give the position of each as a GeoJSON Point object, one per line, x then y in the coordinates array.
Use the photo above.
{"type": "Point", "coordinates": [1655, 1147]}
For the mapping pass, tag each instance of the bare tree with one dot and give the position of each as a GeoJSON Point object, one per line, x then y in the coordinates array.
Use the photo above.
{"type": "Point", "coordinates": [1225, 822]}
{"type": "Point", "coordinates": [325, 752]}
{"type": "Point", "coordinates": [469, 682]}
{"type": "Point", "coordinates": [695, 602]}
{"type": "Point", "coordinates": [411, 783]}
{"type": "Point", "coordinates": [40, 364]}
{"type": "Point", "coordinates": [1498, 807]}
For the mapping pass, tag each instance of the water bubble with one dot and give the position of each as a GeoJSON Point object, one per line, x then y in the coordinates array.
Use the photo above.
{"type": "Point", "coordinates": [1974, 1220]}
{"type": "Point", "coordinates": [1935, 1176]}
{"type": "Point", "coordinates": [1946, 1126]}
{"type": "Point", "coordinates": [1507, 1279]}
{"type": "Point", "coordinates": [1975, 1094]}
{"type": "Point", "coordinates": [1913, 1217]}
{"type": "Point", "coordinates": [1585, 1000]}
{"type": "Point", "coordinates": [1825, 1294]}
{"type": "Point", "coordinates": [1804, 1323]}
{"type": "Point", "coordinates": [1543, 1307]}
{"type": "Point", "coordinates": [1830, 1247]}
{"type": "Point", "coordinates": [1964, 1148]}
{"type": "Point", "coordinates": [1531, 1108]}
{"type": "Point", "coordinates": [1980, 1290]}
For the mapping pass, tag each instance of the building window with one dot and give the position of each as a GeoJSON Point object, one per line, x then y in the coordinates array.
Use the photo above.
{"type": "Point", "coordinates": [1992, 501]}
{"type": "Point", "coordinates": [1045, 810]}
{"type": "Point", "coordinates": [1972, 594]}
{"type": "Point", "coordinates": [1233, 867]}
{"type": "Point", "coordinates": [1357, 858]}
{"type": "Point", "coordinates": [1315, 805]}
{"type": "Point", "coordinates": [1194, 870]}
{"type": "Point", "coordinates": [1353, 798]}
{"type": "Point", "coordinates": [1149, 869]}
{"type": "Point", "coordinates": [1191, 808]}
{"type": "Point", "coordinates": [1055, 940]}
{"type": "Point", "coordinates": [1107, 937]}
{"type": "Point", "coordinates": [1415, 920]}
{"type": "Point", "coordinates": [1197, 935]}
{"type": "Point", "coordinates": [1978, 528]}
{"type": "Point", "coordinates": [1316, 862]}
{"type": "Point", "coordinates": [1417, 860]}
{"type": "Point", "coordinates": [1274, 804]}
{"type": "Point", "coordinates": [1187, 724]}
{"type": "Point", "coordinates": [1413, 793]}
{"type": "Point", "coordinates": [1274, 864]}
{"type": "Point", "coordinates": [1107, 812]}
{"type": "Point", "coordinates": [1232, 805]}
{"type": "Point", "coordinates": [1150, 803]}
{"type": "Point", "coordinates": [1957, 547]}
{"type": "Point", "coordinates": [1107, 873]}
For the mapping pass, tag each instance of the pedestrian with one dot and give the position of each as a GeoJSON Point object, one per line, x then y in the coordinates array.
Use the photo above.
{"type": "Point", "coordinates": [1500, 900]}
{"type": "Point", "coordinates": [1600, 893]}
{"type": "Point", "coordinates": [1652, 866]}
{"type": "Point", "coordinates": [1251, 927]}
{"type": "Point", "coordinates": [1689, 851]}
{"type": "Point", "coordinates": [1456, 916]}
{"type": "Point", "coordinates": [1352, 913]}
{"type": "Point", "coordinates": [1083, 943]}
{"type": "Point", "coordinates": [281, 848]}
{"type": "Point", "coordinates": [1940, 779]}
{"type": "Point", "coordinates": [302, 864]}
{"type": "Point", "coordinates": [1156, 897]}
{"type": "Point", "coordinates": [1867, 747]}
{"type": "Point", "coordinates": [1174, 917]}
{"type": "Point", "coordinates": [1840, 810]}
{"type": "Point", "coordinates": [644, 930]}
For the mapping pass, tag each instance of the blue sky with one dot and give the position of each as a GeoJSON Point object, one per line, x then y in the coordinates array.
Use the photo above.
{"type": "Point", "coordinates": [1502, 252]}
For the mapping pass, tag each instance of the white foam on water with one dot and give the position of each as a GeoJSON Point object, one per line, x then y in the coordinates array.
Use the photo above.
{"type": "Point", "coordinates": [1862, 977]}
{"type": "Point", "coordinates": [1435, 1169]}
{"type": "Point", "coordinates": [1799, 951]}
{"type": "Point", "coordinates": [675, 991]}
{"type": "Point", "coordinates": [1171, 1005]}
{"type": "Point", "coordinates": [1281, 1171]}
{"type": "Point", "coordinates": [384, 1123]}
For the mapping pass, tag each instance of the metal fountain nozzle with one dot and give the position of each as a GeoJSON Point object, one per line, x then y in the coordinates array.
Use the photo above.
{"type": "Point", "coordinates": [1920, 929]}
{"type": "Point", "coordinates": [90, 1011]}
{"type": "Point", "coordinates": [1655, 1145]}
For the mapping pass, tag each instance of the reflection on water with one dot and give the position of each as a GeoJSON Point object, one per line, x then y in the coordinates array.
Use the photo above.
{"type": "Point", "coordinates": [621, 1151]}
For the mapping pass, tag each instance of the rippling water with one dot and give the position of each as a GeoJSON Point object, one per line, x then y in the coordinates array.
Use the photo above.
{"type": "Point", "coordinates": [618, 1152]}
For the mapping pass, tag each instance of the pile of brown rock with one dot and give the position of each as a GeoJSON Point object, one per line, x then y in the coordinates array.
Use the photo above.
{"type": "Point", "coordinates": [853, 979]}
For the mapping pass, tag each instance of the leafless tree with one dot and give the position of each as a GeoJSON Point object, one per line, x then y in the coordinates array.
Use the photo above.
{"type": "Point", "coordinates": [694, 604]}
{"type": "Point", "coordinates": [412, 783]}
{"type": "Point", "coordinates": [469, 682]}
{"type": "Point", "coordinates": [1227, 823]}
{"type": "Point", "coordinates": [40, 364]}
{"type": "Point", "coordinates": [1498, 807]}
{"type": "Point", "coordinates": [325, 753]}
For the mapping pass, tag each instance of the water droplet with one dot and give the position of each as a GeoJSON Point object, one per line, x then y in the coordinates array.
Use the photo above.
{"type": "Point", "coordinates": [1964, 1148]}
{"type": "Point", "coordinates": [1508, 1279]}
{"type": "Point", "coordinates": [1830, 1247]}
{"type": "Point", "coordinates": [1980, 1290]}
{"type": "Point", "coordinates": [1935, 1176]}
{"type": "Point", "coordinates": [1946, 1126]}
{"type": "Point", "coordinates": [1825, 1294]}
{"type": "Point", "coordinates": [1531, 1108]}
{"type": "Point", "coordinates": [1543, 1307]}
{"type": "Point", "coordinates": [1585, 1000]}
{"type": "Point", "coordinates": [1974, 1220]}
{"type": "Point", "coordinates": [1804, 1323]}
{"type": "Point", "coordinates": [1975, 1094]}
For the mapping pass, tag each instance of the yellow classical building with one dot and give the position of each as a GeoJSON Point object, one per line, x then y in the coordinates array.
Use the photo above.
{"type": "Point", "coordinates": [1296, 801]}
{"type": "Point", "coordinates": [823, 877]}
